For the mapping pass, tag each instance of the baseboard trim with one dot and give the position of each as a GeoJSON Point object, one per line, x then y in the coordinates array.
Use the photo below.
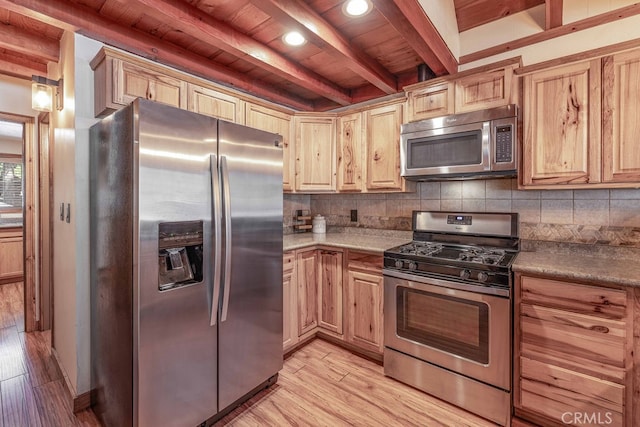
{"type": "Point", "coordinates": [77, 402]}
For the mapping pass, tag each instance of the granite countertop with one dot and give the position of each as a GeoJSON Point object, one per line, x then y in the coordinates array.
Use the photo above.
{"type": "Point", "coordinates": [604, 267]}
{"type": "Point", "coordinates": [364, 242]}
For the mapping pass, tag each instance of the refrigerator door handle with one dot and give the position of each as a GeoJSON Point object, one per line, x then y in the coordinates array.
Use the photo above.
{"type": "Point", "coordinates": [217, 240]}
{"type": "Point", "coordinates": [227, 237]}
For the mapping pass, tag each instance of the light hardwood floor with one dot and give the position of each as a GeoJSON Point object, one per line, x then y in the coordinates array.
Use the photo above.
{"type": "Point", "coordinates": [320, 385]}
{"type": "Point", "coordinates": [325, 385]}
{"type": "Point", "coordinates": [32, 392]}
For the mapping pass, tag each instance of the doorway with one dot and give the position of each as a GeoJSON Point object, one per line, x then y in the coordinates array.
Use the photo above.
{"type": "Point", "coordinates": [19, 222]}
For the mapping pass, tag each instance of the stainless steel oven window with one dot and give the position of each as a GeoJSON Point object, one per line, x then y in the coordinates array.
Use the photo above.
{"type": "Point", "coordinates": [464, 148]}
{"type": "Point", "coordinates": [453, 325]}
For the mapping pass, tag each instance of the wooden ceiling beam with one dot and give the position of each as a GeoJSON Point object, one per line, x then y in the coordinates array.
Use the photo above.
{"type": "Point", "coordinates": [473, 13]}
{"type": "Point", "coordinates": [193, 21]}
{"type": "Point", "coordinates": [553, 14]}
{"type": "Point", "coordinates": [21, 41]}
{"type": "Point", "coordinates": [410, 20]}
{"type": "Point", "coordinates": [297, 14]}
{"type": "Point", "coordinates": [583, 24]}
{"type": "Point", "coordinates": [20, 67]}
{"type": "Point", "coordinates": [89, 23]}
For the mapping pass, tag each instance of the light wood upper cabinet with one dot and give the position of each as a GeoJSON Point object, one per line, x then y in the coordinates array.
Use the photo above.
{"type": "Point", "coordinates": [11, 256]}
{"type": "Point", "coordinates": [573, 350]}
{"type": "Point", "coordinates": [118, 82]}
{"type": "Point", "coordinates": [621, 112]}
{"type": "Point", "coordinates": [315, 153]}
{"type": "Point", "coordinates": [363, 302]}
{"type": "Point", "coordinates": [276, 122]}
{"type": "Point", "coordinates": [382, 137]}
{"type": "Point", "coordinates": [484, 87]}
{"type": "Point", "coordinates": [289, 302]}
{"type": "Point", "coordinates": [562, 119]}
{"type": "Point", "coordinates": [350, 152]}
{"type": "Point", "coordinates": [431, 101]}
{"type": "Point", "coordinates": [212, 103]}
{"type": "Point", "coordinates": [484, 90]}
{"type": "Point", "coordinates": [307, 283]}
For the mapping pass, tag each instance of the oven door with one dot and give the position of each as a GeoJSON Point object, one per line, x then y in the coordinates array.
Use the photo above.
{"type": "Point", "coordinates": [465, 332]}
{"type": "Point", "coordinates": [463, 149]}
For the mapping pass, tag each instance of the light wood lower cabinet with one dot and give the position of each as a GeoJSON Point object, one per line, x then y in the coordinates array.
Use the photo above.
{"type": "Point", "coordinates": [317, 299]}
{"type": "Point", "coordinates": [290, 301]}
{"type": "Point", "coordinates": [11, 256]}
{"type": "Point", "coordinates": [573, 353]}
{"type": "Point", "coordinates": [363, 301]}
{"type": "Point", "coordinates": [330, 290]}
{"type": "Point", "coordinates": [307, 284]}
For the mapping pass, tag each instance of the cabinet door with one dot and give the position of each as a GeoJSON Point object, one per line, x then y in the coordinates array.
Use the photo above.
{"type": "Point", "coordinates": [383, 147]}
{"type": "Point", "coordinates": [621, 133]}
{"type": "Point", "coordinates": [315, 154]}
{"type": "Point", "coordinates": [11, 256]}
{"type": "Point", "coordinates": [562, 125]}
{"type": "Point", "coordinates": [364, 310]}
{"type": "Point", "coordinates": [307, 282]}
{"type": "Point", "coordinates": [350, 152]}
{"type": "Point", "coordinates": [132, 81]}
{"type": "Point", "coordinates": [484, 90]}
{"type": "Point", "coordinates": [274, 121]}
{"type": "Point", "coordinates": [209, 102]}
{"type": "Point", "coordinates": [330, 290]}
{"type": "Point", "coordinates": [432, 101]}
{"type": "Point", "coordinates": [290, 302]}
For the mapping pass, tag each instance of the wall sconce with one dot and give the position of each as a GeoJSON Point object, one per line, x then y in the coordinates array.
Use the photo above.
{"type": "Point", "coordinates": [45, 92]}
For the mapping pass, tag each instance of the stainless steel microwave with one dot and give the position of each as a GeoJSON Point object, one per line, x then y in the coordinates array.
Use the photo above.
{"type": "Point", "coordinates": [480, 144]}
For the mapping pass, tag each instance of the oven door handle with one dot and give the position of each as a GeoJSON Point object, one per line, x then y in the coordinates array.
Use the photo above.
{"type": "Point", "coordinates": [470, 287]}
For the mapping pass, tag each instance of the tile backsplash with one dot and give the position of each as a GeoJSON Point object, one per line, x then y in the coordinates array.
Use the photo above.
{"type": "Point", "coordinates": [580, 216]}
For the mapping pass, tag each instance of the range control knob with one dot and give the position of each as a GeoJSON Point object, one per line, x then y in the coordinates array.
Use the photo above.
{"type": "Point", "coordinates": [398, 263]}
{"type": "Point", "coordinates": [483, 276]}
{"type": "Point", "coordinates": [412, 265]}
{"type": "Point", "coordinates": [465, 274]}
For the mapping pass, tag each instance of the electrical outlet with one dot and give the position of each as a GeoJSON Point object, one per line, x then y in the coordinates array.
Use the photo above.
{"type": "Point", "coordinates": [354, 215]}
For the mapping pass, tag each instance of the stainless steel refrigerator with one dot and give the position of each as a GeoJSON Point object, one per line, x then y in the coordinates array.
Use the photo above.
{"type": "Point", "coordinates": [186, 265]}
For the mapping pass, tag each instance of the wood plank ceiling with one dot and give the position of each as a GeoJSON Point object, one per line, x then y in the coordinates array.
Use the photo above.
{"type": "Point", "coordinates": [239, 43]}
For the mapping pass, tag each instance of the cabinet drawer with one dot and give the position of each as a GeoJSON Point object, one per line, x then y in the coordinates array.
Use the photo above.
{"type": "Point", "coordinates": [585, 299]}
{"type": "Point", "coordinates": [288, 261]}
{"type": "Point", "coordinates": [365, 261]}
{"type": "Point", "coordinates": [578, 341]}
{"type": "Point", "coordinates": [556, 392]}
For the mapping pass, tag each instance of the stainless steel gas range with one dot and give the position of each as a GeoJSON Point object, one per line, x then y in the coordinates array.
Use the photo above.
{"type": "Point", "coordinates": [448, 309]}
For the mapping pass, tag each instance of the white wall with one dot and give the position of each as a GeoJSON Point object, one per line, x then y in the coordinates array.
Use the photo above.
{"type": "Point", "coordinates": [71, 185]}
{"type": "Point", "coordinates": [532, 22]}
{"type": "Point", "coordinates": [442, 14]}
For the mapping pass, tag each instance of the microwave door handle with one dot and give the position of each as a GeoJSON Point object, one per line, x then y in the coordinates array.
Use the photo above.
{"type": "Point", "coordinates": [486, 145]}
{"type": "Point", "coordinates": [217, 238]}
{"type": "Point", "coordinates": [227, 233]}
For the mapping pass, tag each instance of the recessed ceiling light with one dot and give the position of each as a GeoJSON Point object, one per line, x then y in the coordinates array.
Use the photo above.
{"type": "Point", "coordinates": [356, 7]}
{"type": "Point", "coordinates": [294, 38]}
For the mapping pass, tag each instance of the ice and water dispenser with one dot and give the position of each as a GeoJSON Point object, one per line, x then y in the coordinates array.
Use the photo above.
{"type": "Point", "coordinates": [179, 254]}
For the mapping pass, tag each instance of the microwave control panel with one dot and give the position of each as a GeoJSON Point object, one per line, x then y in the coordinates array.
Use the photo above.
{"type": "Point", "coordinates": [504, 144]}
